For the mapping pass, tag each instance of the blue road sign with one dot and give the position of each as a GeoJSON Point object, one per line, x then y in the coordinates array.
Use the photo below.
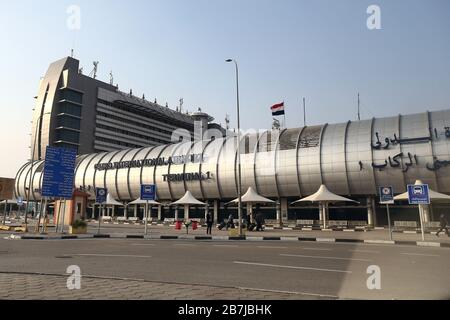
{"type": "Point", "coordinates": [100, 195]}
{"type": "Point", "coordinates": [148, 192]}
{"type": "Point", "coordinates": [59, 170]}
{"type": "Point", "coordinates": [386, 195]}
{"type": "Point", "coordinates": [418, 194]}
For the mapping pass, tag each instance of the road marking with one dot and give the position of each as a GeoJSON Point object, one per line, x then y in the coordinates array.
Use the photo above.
{"type": "Point", "coordinates": [271, 247]}
{"type": "Point", "coordinates": [318, 249]}
{"type": "Point", "coordinates": [107, 255]}
{"type": "Point", "coordinates": [143, 244]}
{"type": "Point", "coordinates": [420, 254]}
{"type": "Point", "coordinates": [291, 292]}
{"type": "Point", "coordinates": [320, 257]}
{"type": "Point", "coordinates": [364, 251]}
{"type": "Point", "coordinates": [289, 267]}
{"type": "Point", "coordinates": [225, 245]}
{"type": "Point", "coordinates": [184, 245]}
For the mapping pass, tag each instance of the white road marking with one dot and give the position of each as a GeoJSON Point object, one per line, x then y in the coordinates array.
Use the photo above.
{"type": "Point", "coordinates": [364, 251]}
{"type": "Point", "coordinates": [107, 255]}
{"type": "Point", "coordinates": [289, 267]}
{"type": "Point", "coordinates": [271, 247]}
{"type": "Point", "coordinates": [420, 254]}
{"type": "Point", "coordinates": [224, 245]}
{"type": "Point", "coordinates": [184, 245]}
{"type": "Point", "coordinates": [143, 244]}
{"type": "Point", "coordinates": [320, 257]}
{"type": "Point", "coordinates": [318, 249]}
{"type": "Point", "coordinates": [291, 292]}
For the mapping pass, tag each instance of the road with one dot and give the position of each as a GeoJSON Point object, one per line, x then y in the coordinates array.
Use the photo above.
{"type": "Point", "coordinates": [296, 269]}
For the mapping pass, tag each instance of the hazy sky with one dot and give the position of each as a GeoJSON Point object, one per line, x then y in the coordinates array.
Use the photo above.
{"type": "Point", "coordinates": [286, 50]}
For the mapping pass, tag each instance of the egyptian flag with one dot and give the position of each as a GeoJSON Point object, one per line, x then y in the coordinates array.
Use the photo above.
{"type": "Point", "coordinates": [278, 109]}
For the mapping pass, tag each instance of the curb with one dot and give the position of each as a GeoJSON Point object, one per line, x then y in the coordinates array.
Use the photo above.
{"type": "Point", "coordinates": [235, 238]}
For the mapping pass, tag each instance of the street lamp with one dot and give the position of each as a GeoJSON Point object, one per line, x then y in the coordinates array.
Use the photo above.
{"type": "Point", "coordinates": [31, 170]}
{"type": "Point", "coordinates": [239, 147]}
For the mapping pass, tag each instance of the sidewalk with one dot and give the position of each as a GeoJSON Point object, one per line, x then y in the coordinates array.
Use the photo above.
{"type": "Point", "coordinates": [169, 233]}
{"type": "Point", "coordinates": [22, 286]}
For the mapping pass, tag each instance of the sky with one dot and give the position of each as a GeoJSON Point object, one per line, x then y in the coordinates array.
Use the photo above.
{"type": "Point", "coordinates": [286, 50]}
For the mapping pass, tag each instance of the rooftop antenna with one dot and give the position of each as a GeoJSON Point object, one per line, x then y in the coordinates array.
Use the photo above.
{"type": "Point", "coordinates": [181, 104]}
{"type": "Point", "coordinates": [304, 112]}
{"type": "Point", "coordinates": [359, 108]}
{"type": "Point", "coordinates": [71, 53]}
{"type": "Point", "coordinates": [93, 73]}
{"type": "Point", "coordinates": [111, 78]}
{"type": "Point", "coordinates": [227, 122]}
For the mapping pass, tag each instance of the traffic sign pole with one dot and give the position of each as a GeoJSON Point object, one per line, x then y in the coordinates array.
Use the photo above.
{"type": "Point", "coordinates": [421, 221]}
{"type": "Point", "coordinates": [146, 217]}
{"type": "Point", "coordinates": [99, 219]}
{"type": "Point", "coordinates": [389, 222]}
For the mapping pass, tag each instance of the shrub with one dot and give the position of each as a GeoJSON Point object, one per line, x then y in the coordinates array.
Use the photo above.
{"type": "Point", "coordinates": [79, 224]}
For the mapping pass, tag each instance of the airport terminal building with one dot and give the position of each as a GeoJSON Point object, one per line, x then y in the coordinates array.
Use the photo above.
{"type": "Point", "coordinates": [352, 159]}
{"type": "Point", "coordinates": [74, 110]}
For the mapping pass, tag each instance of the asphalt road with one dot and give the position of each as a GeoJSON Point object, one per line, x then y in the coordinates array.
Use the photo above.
{"type": "Point", "coordinates": [330, 270]}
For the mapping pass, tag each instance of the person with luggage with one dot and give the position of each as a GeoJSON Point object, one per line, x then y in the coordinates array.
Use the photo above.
{"type": "Point", "coordinates": [230, 223]}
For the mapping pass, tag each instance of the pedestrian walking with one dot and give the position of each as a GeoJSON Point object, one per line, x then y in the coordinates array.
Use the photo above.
{"type": "Point", "coordinates": [209, 223]}
{"type": "Point", "coordinates": [443, 225]}
{"type": "Point", "coordinates": [230, 223]}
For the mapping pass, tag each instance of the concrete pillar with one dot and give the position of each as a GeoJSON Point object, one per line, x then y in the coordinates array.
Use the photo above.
{"type": "Point", "coordinates": [159, 213]}
{"type": "Point", "coordinates": [135, 210]}
{"type": "Point", "coordinates": [186, 212]}
{"type": "Point", "coordinates": [113, 211]}
{"type": "Point", "coordinates": [176, 214]}
{"type": "Point", "coordinates": [279, 220]}
{"type": "Point", "coordinates": [206, 208]}
{"type": "Point", "coordinates": [250, 211]}
{"type": "Point", "coordinates": [216, 212]}
{"type": "Point", "coordinates": [125, 211]}
{"type": "Point", "coordinates": [370, 219]}
{"type": "Point", "coordinates": [321, 216]}
{"type": "Point", "coordinates": [284, 210]}
{"type": "Point", "coordinates": [93, 211]}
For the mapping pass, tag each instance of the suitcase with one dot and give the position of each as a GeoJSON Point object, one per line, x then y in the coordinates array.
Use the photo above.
{"type": "Point", "coordinates": [251, 227]}
{"type": "Point", "coordinates": [222, 225]}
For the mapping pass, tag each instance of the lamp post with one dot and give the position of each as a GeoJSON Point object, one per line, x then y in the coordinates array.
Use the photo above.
{"type": "Point", "coordinates": [239, 147]}
{"type": "Point", "coordinates": [31, 169]}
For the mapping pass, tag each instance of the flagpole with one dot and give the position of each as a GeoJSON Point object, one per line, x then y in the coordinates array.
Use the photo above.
{"type": "Point", "coordinates": [284, 114]}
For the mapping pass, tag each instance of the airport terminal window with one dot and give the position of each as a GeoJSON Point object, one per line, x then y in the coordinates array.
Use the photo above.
{"type": "Point", "coordinates": [135, 123]}
{"type": "Point", "coordinates": [73, 96]}
{"type": "Point", "coordinates": [132, 134]}
{"type": "Point", "coordinates": [68, 122]}
{"type": "Point", "coordinates": [70, 108]}
{"type": "Point", "coordinates": [68, 135]}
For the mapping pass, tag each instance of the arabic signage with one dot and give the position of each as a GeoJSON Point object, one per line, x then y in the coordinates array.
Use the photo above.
{"type": "Point", "coordinates": [418, 194]}
{"type": "Point", "coordinates": [59, 173]}
{"type": "Point", "coordinates": [194, 158]}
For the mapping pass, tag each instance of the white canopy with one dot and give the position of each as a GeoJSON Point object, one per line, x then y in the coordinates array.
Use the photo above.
{"type": "Point", "coordinates": [324, 195]}
{"type": "Point", "coordinates": [110, 201]}
{"type": "Point", "coordinates": [251, 196]}
{"type": "Point", "coordinates": [189, 199]}
{"type": "Point", "coordinates": [433, 194]}
{"type": "Point", "coordinates": [139, 201]}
